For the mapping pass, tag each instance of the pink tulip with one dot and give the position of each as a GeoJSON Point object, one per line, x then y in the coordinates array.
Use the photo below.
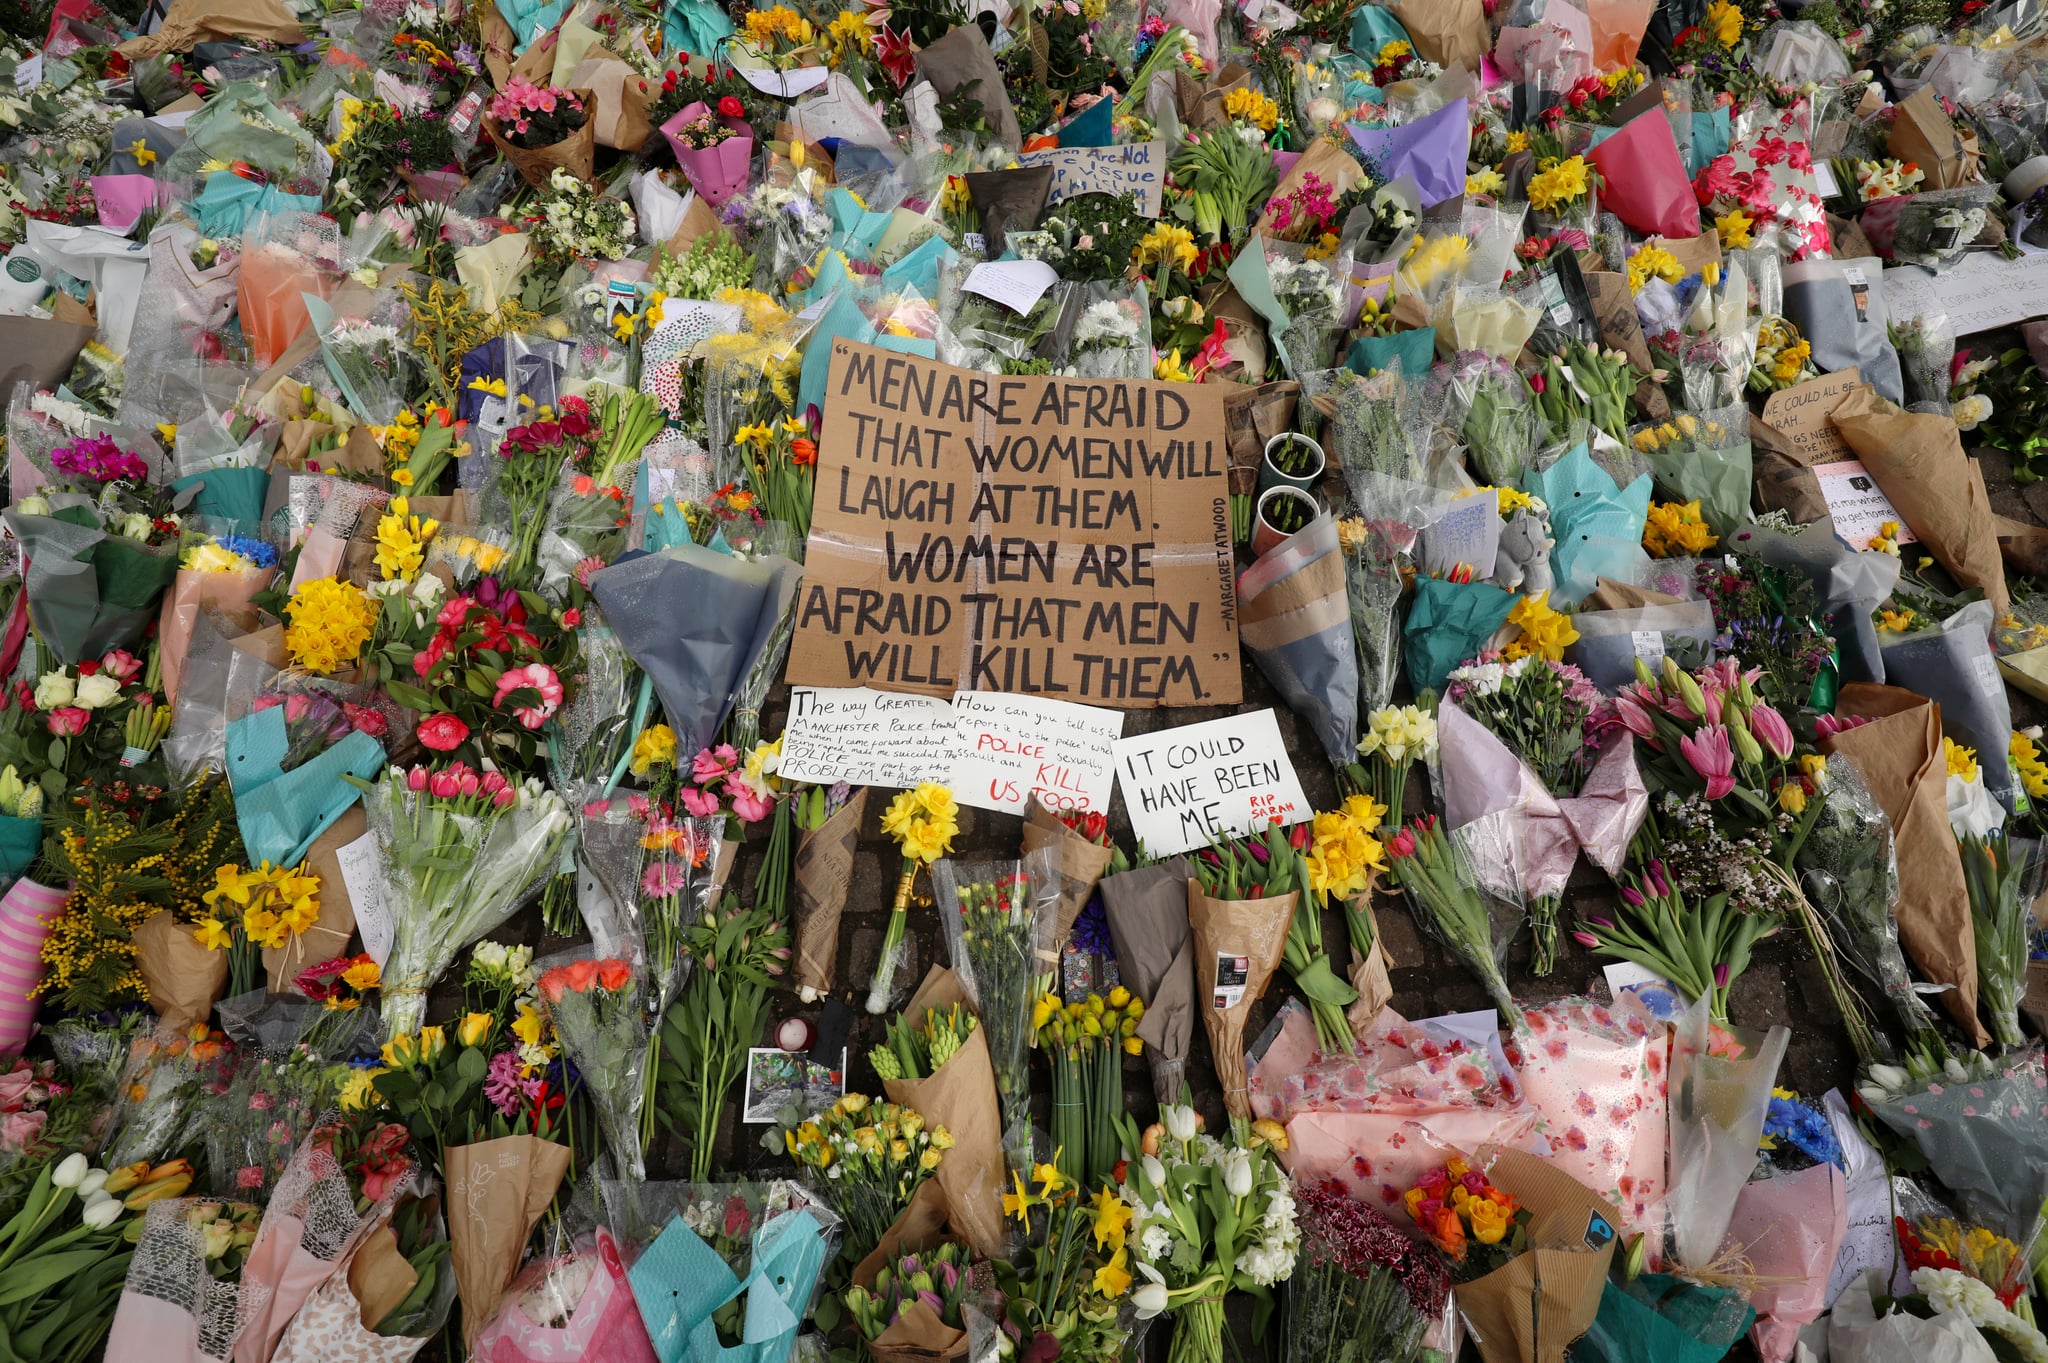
{"type": "Point", "coordinates": [416, 779]}
{"type": "Point", "coordinates": [503, 799]}
{"type": "Point", "coordinates": [1586, 939]}
{"type": "Point", "coordinates": [1770, 729]}
{"type": "Point", "coordinates": [493, 782]}
{"type": "Point", "coordinates": [1713, 757]}
{"type": "Point", "coordinates": [468, 783]}
{"type": "Point", "coordinates": [443, 785]}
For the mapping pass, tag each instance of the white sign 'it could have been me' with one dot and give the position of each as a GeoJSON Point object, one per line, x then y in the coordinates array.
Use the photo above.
{"type": "Point", "coordinates": [1184, 787]}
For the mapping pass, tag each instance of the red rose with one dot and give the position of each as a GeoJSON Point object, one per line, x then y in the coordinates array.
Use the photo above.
{"type": "Point", "coordinates": [614, 974]}
{"type": "Point", "coordinates": [731, 107]}
{"type": "Point", "coordinates": [443, 732]}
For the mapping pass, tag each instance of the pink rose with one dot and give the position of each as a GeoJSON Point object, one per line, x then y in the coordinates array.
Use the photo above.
{"type": "Point", "coordinates": [68, 722]}
{"type": "Point", "coordinates": [121, 664]}
{"type": "Point", "coordinates": [443, 732]}
{"type": "Point", "coordinates": [16, 1086]}
{"type": "Point", "coordinates": [19, 1130]}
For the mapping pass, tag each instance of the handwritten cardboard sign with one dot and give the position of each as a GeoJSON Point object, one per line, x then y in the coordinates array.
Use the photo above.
{"type": "Point", "coordinates": [995, 750]}
{"type": "Point", "coordinates": [1009, 748]}
{"type": "Point", "coordinates": [1983, 291]}
{"type": "Point", "coordinates": [1183, 787]}
{"type": "Point", "coordinates": [1038, 535]}
{"type": "Point", "coordinates": [866, 738]}
{"type": "Point", "coordinates": [1137, 168]}
{"type": "Point", "coordinates": [1800, 414]}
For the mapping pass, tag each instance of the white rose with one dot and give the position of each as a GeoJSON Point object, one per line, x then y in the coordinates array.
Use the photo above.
{"type": "Point", "coordinates": [97, 691]}
{"type": "Point", "coordinates": [135, 526]}
{"type": "Point", "coordinates": [54, 689]}
{"type": "Point", "coordinates": [33, 506]}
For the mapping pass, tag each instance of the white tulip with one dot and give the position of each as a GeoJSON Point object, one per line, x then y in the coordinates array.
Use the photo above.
{"type": "Point", "coordinates": [100, 1215]}
{"type": "Point", "coordinates": [1889, 1076]}
{"type": "Point", "coordinates": [1180, 1121]}
{"type": "Point", "coordinates": [1150, 1299]}
{"type": "Point", "coordinates": [1155, 1172]}
{"type": "Point", "coordinates": [1237, 1174]}
{"type": "Point", "coordinates": [70, 1171]}
{"type": "Point", "coordinates": [92, 1182]}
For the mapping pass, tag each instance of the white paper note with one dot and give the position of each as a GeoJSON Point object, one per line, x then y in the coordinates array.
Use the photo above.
{"type": "Point", "coordinates": [1016, 284]}
{"type": "Point", "coordinates": [362, 871]}
{"type": "Point", "coordinates": [1009, 748]}
{"type": "Point", "coordinates": [1185, 786]}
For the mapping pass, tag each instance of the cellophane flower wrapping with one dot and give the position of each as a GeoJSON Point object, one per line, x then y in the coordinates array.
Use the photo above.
{"type": "Point", "coordinates": [573, 1302]}
{"type": "Point", "coordinates": [453, 875]}
{"type": "Point", "coordinates": [1376, 1120]}
{"type": "Point", "coordinates": [598, 1009]}
{"type": "Point", "coordinates": [1597, 1073]}
{"type": "Point", "coordinates": [311, 1225]}
{"type": "Point", "coordinates": [166, 1073]}
{"type": "Point", "coordinates": [1791, 1227]}
{"type": "Point", "coordinates": [1982, 1137]}
{"type": "Point", "coordinates": [1720, 1090]}
{"type": "Point", "coordinates": [256, 1119]}
{"type": "Point", "coordinates": [173, 1310]}
{"type": "Point", "coordinates": [1000, 919]}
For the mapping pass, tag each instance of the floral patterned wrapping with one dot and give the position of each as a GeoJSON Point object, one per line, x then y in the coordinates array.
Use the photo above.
{"type": "Point", "coordinates": [1597, 1074]}
{"type": "Point", "coordinates": [1375, 1120]}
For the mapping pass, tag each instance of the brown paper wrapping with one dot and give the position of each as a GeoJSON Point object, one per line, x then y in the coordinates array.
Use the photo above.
{"type": "Point", "coordinates": [2023, 547]}
{"type": "Point", "coordinates": [1255, 929]}
{"type": "Point", "coordinates": [1609, 595]}
{"type": "Point", "coordinates": [1694, 253]}
{"type": "Point", "coordinates": [1923, 134]}
{"type": "Point", "coordinates": [228, 592]}
{"type": "Point", "coordinates": [1447, 32]}
{"type": "Point", "coordinates": [620, 113]}
{"type": "Point", "coordinates": [39, 350]}
{"type": "Point", "coordinates": [182, 979]}
{"type": "Point", "coordinates": [919, 1336]}
{"type": "Point", "coordinates": [328, 937]}
{"type": "Point", "coordinates": [189, 22]}
{"type": "Point", "coordinates": [496, 38]}
{"type": "Point", "coordinates": [961, 1096]}
{"type": "Point", "coordinates": [1324, 159]}
{"type": "Point", "coordinates": [962, 57]}
{"type": "Point", "coordinates": [1369, 976]}
{"type": "Point", "coordinates": [1147, 910]}
{"type": "Point", "coordinates": [379, 1276]}
{"type": "Point", "coordinates": [1614, 313]}
{"type": "Point", "coordinates": [1531, 1309]}
{"type": "Point", "coordinates": [1244, 336]}
{"type": "Point", "coordinates": [1919, 464]}
{"type": "Point", "coordinates": [576, 153]}
{"type": "Point", "coordinates": [1251, 417]}
{"type": "Point", "coordinates": [1200, 103]}
{"type": "Point", "coordinates": [1899, 754]}
{"type": "Point", "coordinates": [698, 219]}
{"type": "Point", "coordinates": [722, 862]}
{"type": "Point", "coordinates": [1784, 481]}
{"type": "Point", "coordinates": [1081, 862]}
{"type": "Point", "coordinates": [497, 1192]}
{"type": "Point", "coordinates": [820, 875]}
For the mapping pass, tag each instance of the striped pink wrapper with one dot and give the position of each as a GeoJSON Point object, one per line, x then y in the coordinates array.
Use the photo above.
{"type": "Point", "coordinates": [27, 912]}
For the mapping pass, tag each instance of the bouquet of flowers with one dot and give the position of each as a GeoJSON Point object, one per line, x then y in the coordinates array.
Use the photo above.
{"type": "Point", "coordinates": [461, 849]}
{"type": "Point", "coordinates": [1440, 874]}
{"type": "Point", "coordinates": [1359, 1288]}
{"type": "Point", "coordinates": [1210, 1216]}
{"type": "Point", "coordinates": [595, 1008]}
{"type": "Point", "coordinates": [1491, 408]}
{"type": "Point", "coordinates": [186, 1300]}
{"type": "Point", "coordinates": [1085, 1042]}
{"type": "Point", "coordinates": [533, 116]}
{"type": "Point", "coordinates": [2000, 877]}
{"type": "Point", "coordinates": [1063, 1288]}
{"type": "Point", "coordinates": [827, 823]}
{"type": "Point", "coordinates": [923, 822]}
{"type": "Point", "coordinates": [1479, 1226]}
{"type": "Point", "coordinates": [276, 904]}
{"type": "Point", "coordinates": [718, 1017]}
{"type": "Point", "coordinates": [573, 221]}
{"type": "Point", "coordinates": [929, 1283]}
{"type": "Point", "coordinates": [1000, 934]}
{"type": "Point", "coordinates": [869, 1157]}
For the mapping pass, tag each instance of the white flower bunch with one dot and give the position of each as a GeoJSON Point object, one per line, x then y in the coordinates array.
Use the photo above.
{"type": "Point", "coordinates": [1104, 326]}
{"type": "Point", "coordinates": [575, 220]}
{"type": "Point", "coordinates": [1951, 1289]}
{"type": "Point", "coordinates": [1304, 285]}
{"type": "Point", "coordinates": [1401, 732]}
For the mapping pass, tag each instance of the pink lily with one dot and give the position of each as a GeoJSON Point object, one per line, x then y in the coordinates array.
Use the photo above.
{"type": "Point", "coordinates": [1713, 757]}
{"type": "Point", "coordinates": [1770, 729]}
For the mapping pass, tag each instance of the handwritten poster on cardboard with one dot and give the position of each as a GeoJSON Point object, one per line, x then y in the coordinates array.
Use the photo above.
{"type": "Point", "coordinates": [1184, 787]}
{"type": "Point", "coordinates": [1137, 168]}
{"type": "Point", "coordinates": [1800, 413]}
{"type": "Point", "coordinates": [1037, 535]}
{"type": "Point", "coordinates": [866, 737]}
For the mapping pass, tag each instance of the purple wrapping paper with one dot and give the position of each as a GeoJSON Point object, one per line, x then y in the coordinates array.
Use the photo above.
{"type": "Point", "coordinates": [1431, 149]}
{"type": "Point", "coordinates": [1481, 776]}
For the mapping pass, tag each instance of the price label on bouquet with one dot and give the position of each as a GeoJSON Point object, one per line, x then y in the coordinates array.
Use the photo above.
{"type": "Point", "coordinates": [1137, 168]}
{"type": "Point", "coordinates": [1185, 787]}
{"type": "Point", "coordinates": [1010, 748]}
{"type": "Point", "coordinates": [1037, 535]}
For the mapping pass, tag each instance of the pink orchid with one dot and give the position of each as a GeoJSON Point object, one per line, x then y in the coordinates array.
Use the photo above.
{"type": "Point", "coordinates": [1712, 755]}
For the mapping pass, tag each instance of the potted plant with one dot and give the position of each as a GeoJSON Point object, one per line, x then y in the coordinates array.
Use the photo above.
{"type": "Point", "coordinates": [1282, 511]}
{"type": "Point", "coordinates": [1291, 460]}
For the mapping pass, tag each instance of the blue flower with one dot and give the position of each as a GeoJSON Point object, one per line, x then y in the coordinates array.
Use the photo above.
{"type": "Point", "coordinates": [1805, 1129]}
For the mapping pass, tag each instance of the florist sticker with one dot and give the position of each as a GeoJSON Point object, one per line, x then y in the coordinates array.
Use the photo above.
{"type": "Point", "coordinates": [1036, 535]}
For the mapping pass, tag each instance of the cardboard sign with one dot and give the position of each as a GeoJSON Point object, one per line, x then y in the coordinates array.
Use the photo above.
{"type": "Point", "coordinates": [1858, 505]}
{"type": "Point", "coordinates": [1983, 291]}
{"type": "Point", "coordinates": [1800, 413]}
{"type": "Point", "coordinates": [1009, 748]}
{"type": "Point", "coordinates": [1185, 787]}
{"type": "Point", "coordinates": [866, 738]}
{"type": "Point", "coordinates": [1138, 168]}
{"type": "Point", "coordinates": [1036, 535]}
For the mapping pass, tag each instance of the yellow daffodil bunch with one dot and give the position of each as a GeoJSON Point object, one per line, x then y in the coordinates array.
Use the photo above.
{"type": "Point", "coordinates": [1545, 632]}
{"type": "Point", "coordinates": [1343, 853]}
{"type": "Point", "coordinates": [1886, 540]}
{"type": "Point", "coordinates": [1895, 621]}
{"type": "Point", "coordinates": [1168, 368]}
{"type": "Point", "coordinates": [1724, 21]}
{"type": "Point", "coordinates": [327, 622]}
{"type": "Point", "coordinates": [1484, 182]}
{"type": "Point", "coordinates": [923, 822]}
{"type": "Point", "coordinates": [402, 541]}
{"type": "Point", "coordinates": [778, 30]}
{"type": "Point", "coordinates": [1561, 184]}
{"type": "Point", "coordinates": [849, 36]}
{"type": "Point", "coordinates": [1652, 261]}
{"type": "Point", "coordinates": [1169, 243]}
{"type": "Point", "coordinates": [1960, 761]}
{"type": "Point", "coordinates": [2032, 769]}
{"type": "Point", "coordinates": [276, 904]}
{"type": "Point", "coordinates": [1783, 356]}
{"type": "Point", "coordinates": [656, 747]}
{"type": "Point", "coordinates": [1247, 105]}
{"type": "Point", "coordinates": [1396, 737]}
{"type": "Point", "coordinates": [873, 1155]}
{"type": "Point", "coordinates": [1733, 228]}
{"type": "Point", "coordinates": [1675, 530]}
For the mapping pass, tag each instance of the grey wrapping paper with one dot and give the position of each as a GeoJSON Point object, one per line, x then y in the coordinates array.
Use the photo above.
{"type": "Point", "coordinates": [695, 620]}
{"type": "Point", "coordinates": [1147, 910]}
{"type": "Point", "coordinates": [1851, 584]}
{"type": "Point", "coordinates": [1294, 614]}
{"type": "Point", "coordinates": [1954, 666]}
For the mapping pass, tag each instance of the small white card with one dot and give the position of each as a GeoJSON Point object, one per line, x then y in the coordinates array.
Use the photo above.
{"type": "Point", "coordinates": [362, 871]}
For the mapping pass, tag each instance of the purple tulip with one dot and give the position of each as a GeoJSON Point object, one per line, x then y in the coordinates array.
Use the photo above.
{"type": "Point", "coordinates": [1721, 976]}
{"type": "Point", "coordinates": [1586, 939]}
{"type": "Point", "coordinates": [1607, 923]}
